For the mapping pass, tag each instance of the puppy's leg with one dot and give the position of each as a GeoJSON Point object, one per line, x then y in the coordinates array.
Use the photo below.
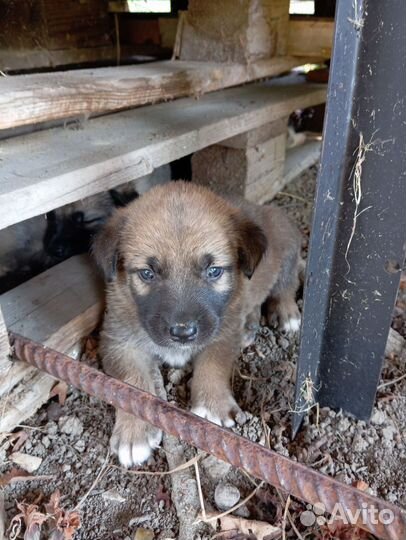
{"type": "Point", "coordinates": [251, 327]}
{"type": "Point", "coordinates": [133, 440]}
{"type": "Point", "coordinates": [282, 299]}
{"type": "Point", "coordinates": [211, 392]}
{"type": "Point", "coordinates": [285, 308]}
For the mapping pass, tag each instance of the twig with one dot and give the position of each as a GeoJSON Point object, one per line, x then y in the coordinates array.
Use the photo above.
{"type": "Point", "coordinates": [234, 508]}
{"type": "Point", "coordinates": [199, 489]}
{"type": "Point", "coordinates": [394, 381]}
{"type": "Point", "coordinates": [103, 469]}
{"type": "Point", "coordinates": [292, 523]}
{"type": "Point", "coordinates": [293, 196]}
{"type": "Point", "coordinates": [285, 513]}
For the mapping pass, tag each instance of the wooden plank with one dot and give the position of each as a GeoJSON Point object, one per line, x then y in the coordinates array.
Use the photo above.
{"type": "Point", "coordinates": [56, 308]}
{"type": "Point", "coordinates": [300, 158]}
{"type": "Point", "coordinates": [4, 347]}
{"type": "Point", "coordinates": [259, 135]}
{"type": "Point", "coordinates": [29, 99]}
{"type": "Point", "coordinates": [311, 37]}
{"type": "Point", "coordinates": [65, 165]}
{"type": "Point", "coordinates": [28, 59]}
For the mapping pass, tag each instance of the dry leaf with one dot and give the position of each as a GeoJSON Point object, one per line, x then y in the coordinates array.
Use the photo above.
{"type": "Point", "coordinates": [361, 485]}
{"type": "Point", "coordinates": [19, 475]}
{"type": "Point", "coordinates": [19, 437]}
{"type": "Point", "coordinates": [32, 519]}
{"type": "Point", "coordinates": [66, 522]}
{"type": "Point", "coordinates": [260, 529]}
{"type": "Point", "coordinates": [28, 463]}
{"type": "Point", "coordinates": [60, 390]}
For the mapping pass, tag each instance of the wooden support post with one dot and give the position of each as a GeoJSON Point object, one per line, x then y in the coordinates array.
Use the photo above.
{"type": "Point", "coordinates": [56, 308]}
{"type": "Point", "coordinates": [231, 31]}
{"type": "Point", "coordinates": [250, 165]}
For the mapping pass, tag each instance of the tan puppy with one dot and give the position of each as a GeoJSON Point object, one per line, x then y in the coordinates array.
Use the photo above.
{"type": "Point", "coordinates": [187, 272]}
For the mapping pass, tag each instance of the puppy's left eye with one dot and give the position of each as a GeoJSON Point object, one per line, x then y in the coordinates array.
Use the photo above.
{"type": "Point", "coordinates": [146, 275]}
{"type": "Point", "coordinates": [214, 272]}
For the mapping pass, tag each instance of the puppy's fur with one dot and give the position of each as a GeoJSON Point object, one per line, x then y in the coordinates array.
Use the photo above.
{"type": "Point", "coordinates": [187, 272]}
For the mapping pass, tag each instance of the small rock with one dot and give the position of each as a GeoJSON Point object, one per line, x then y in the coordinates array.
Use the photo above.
{"type": "Point", "coordinates": [66, 467]}
{"type": "Point", "coordinates": [378, 417]}
{"type": "Point", "coordinates": [241, 418]}
{"type": "Point", "coordinates": [359, 444]}
{"type": "Point", "coordinates": [140, 519]}
{"type": "Point", "coordinates": [242, 512]}
{"type": "Point", "coordinates": [52, 428]}
{"type": "Point", "coordinates": [113, 495]}
{"type": "Point", "coordinates": [28, 463]}
{"type": "Point", "coordinates": [144, 534]}
{"type": "Point", "coordinates": [343, 425]}
{"type": "Point", "coordinates": [80, 445]}
{"type": "Point", "coordinates": [71, 425]}
{"type": "Point", "coordinates": [215, 468]}
{"type": "Point", "coordinates": [388, 432]}
{"type": "Point", "coordinates": [226, 496]}
{"type": "Point", "coordinates": [283, 342]}
{"type": "Point", "coordinates": [45, 441]}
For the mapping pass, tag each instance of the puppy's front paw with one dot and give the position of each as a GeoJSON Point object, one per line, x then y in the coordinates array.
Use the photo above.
{"type": "Point", "coordinates": [292, 325]}
{"type": "Point", "coordinates": [220, 410]}
{"type": "Point", "coordinates": [133, 440]}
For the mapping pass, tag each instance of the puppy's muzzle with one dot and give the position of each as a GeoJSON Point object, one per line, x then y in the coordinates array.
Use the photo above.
{"type": "Point", "coordinates": [183, 332]}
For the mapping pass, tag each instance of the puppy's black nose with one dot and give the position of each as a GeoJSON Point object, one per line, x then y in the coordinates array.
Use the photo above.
{"type": "Point", "coordinates": [183, 331]}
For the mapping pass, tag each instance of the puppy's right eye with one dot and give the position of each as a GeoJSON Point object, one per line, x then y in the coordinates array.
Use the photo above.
{"type": "Point", "coordinates": [146, 275]}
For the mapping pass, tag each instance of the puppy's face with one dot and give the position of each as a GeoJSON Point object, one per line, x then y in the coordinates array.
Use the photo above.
{"type": "Point", "coordinates": [178, 253]}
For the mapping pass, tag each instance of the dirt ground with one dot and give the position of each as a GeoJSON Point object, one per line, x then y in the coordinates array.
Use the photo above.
{"type": "Point", "coordinates": [71, 441]}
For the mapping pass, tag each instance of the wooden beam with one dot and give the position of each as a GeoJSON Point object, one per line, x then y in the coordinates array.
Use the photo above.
{"type": "Point", "coordinates": [29, 99]}
{"type": "Point", "coordinates": [250, 166]}
{"type": "Point", "coordinates": [56, 308]}
{"type": "Point", "coordinates": [28, 59]}
{"type": "Point", "coordinates": [65, 165]}
{"type": "Point", "coordinates": [230, 31]}
{"type": "Point", "coordinates": [311, 37]}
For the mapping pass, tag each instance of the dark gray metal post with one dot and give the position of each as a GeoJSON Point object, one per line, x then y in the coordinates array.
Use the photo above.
{"type": "Point", "coordinates": [357, 246]}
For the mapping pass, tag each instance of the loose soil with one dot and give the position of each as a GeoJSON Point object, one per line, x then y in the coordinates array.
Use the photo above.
{"type": "Point", "coordinates": [72, 439]}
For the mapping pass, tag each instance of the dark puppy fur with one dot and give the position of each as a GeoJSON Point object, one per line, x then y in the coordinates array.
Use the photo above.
{"type": "Point", "coordinates": [187, 272]}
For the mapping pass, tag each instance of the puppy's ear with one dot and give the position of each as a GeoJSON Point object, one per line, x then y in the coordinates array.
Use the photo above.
{"type": "Point", "coordinates": [252, 244]}
{"type": "Point", "coordinates": [105, 246]}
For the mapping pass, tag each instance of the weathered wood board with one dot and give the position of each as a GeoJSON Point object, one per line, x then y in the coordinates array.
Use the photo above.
{"type": "Point", "coordinates": [48, 169]}
{"type": "Point", "coordinates": [30, 99]}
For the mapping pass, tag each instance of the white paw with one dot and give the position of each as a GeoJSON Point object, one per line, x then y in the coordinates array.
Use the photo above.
{"type": "Point", "coordinates": [202, 411]}
{"type": "Point", "coordinates": [292, 325]}
{"type": "Point", "coordinates": [131, 454]}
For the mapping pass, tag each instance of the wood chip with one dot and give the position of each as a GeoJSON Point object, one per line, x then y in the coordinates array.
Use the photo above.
{"type": "Point", "coordinates": [260, 529]}
{"type": "Point", "coordinates": [144, 534]}
{"type": "Point", "coordinates": [27, 462]}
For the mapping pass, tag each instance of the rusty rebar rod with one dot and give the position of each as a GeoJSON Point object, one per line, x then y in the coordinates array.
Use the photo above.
{"type": "Point", "coordinates": [283, 473]}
